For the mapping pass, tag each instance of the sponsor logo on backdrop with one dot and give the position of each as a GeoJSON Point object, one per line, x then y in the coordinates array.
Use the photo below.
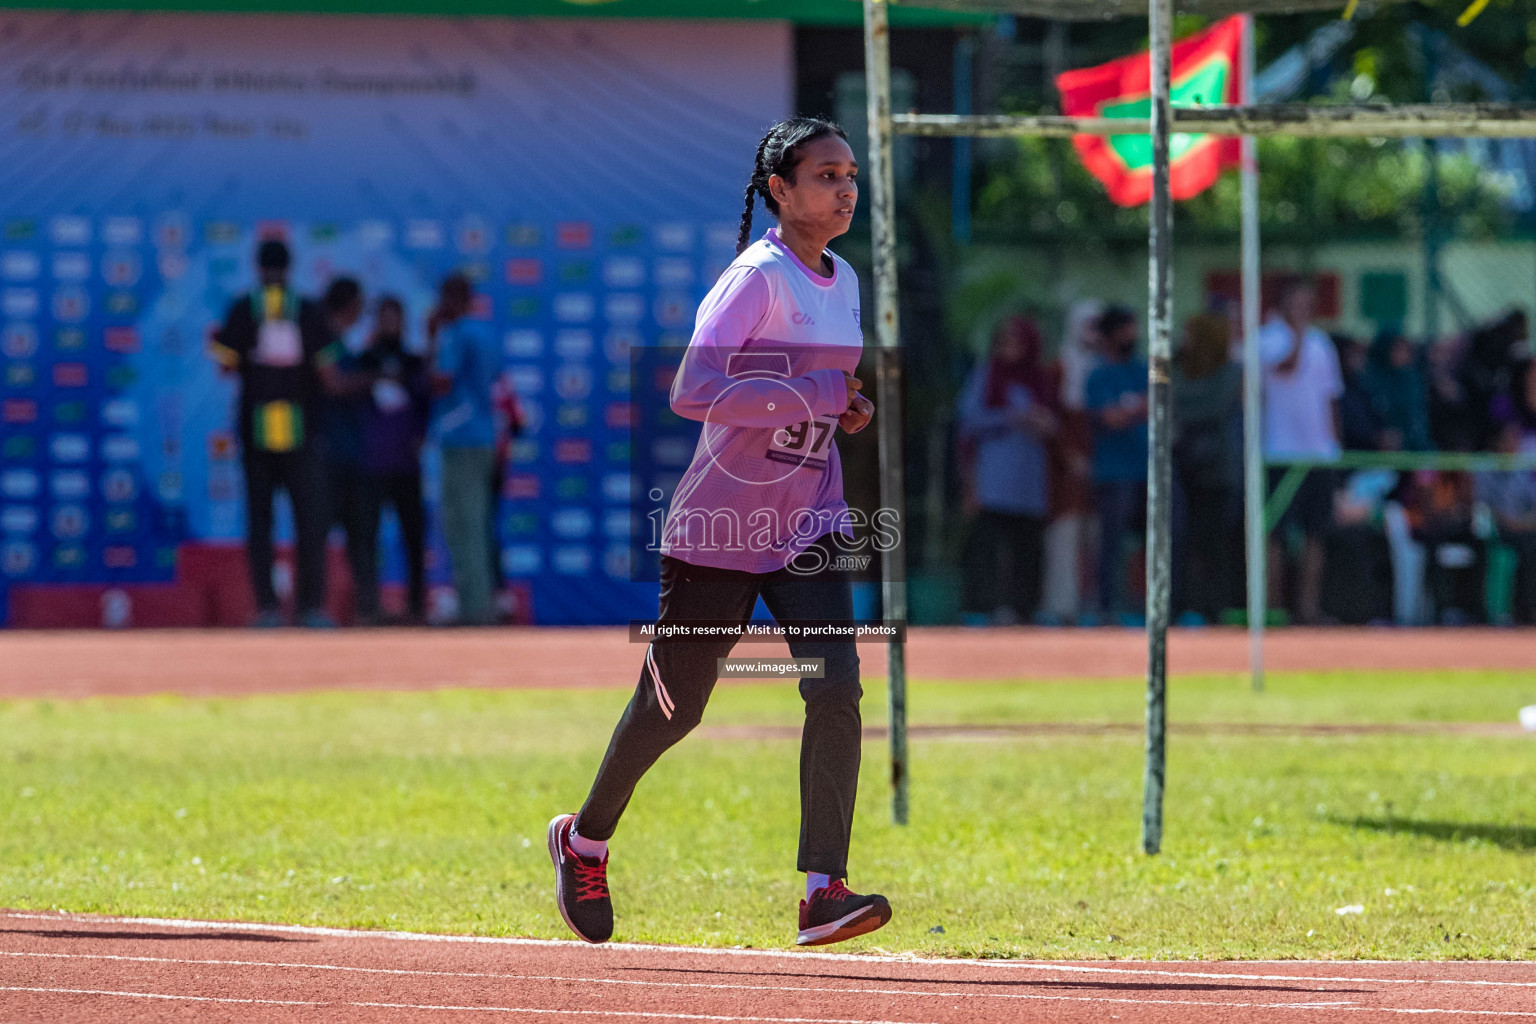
{"type": "Point", "coordinates": [571, 523]}
{"type": "Point", "coordinates": [573, 450]}
{"type": "Point", "coordinates": [624, 309]}
{"type": "Point", "coordinates": [120, 412]}
{"type": "Point", "coordinates": [69, 447]}
{"type": "Point", "coordinates": [575, 307]}
{"type": "Point", "coordinates": [522, 560]}
{"type": "Point", "coordinates": [20, 265]}
{"type": "Point", "coordinates": [70, 522]}
{"type": "Point", "coordinates": [20, 483]}
{"type": "Point", "coordinates": [573, 235]}
{"type": "Point", "coordinates": [18, 519]}
{"type": "Point", "coordinates": [522, 486]}
{"type": "Point", "coordinates": [120, 448]}
{"type": "Point", "coordinates": [523, 343]}
{"type": "Point", "coordinates": [119, 485]}
{"type": "Point", "coordinates": [19, 302]}
{"type": "Point", "coordinates": [119, 557]}
{"type": "Point", "coordinates": [122, 231]}
{"type": "Point", "coordinates": [523, 236]}
{"type": "Point", "coordinates": [71, 266]}
{"type": "Point", "coordinates": [674, 273]}
{"type": "Point", "coordinates": [624, 272]}
{"type": "Point", "coordinates": [69, 484]}
{"type": "Point", "coordinates": [573, 343]}
{"type": "Point", "coordinates": [124, 340]}
{"type": "Point", "coordinates": [18, 410]}
{"type": "Point", "coordinates": [19, 558]}
{"type": "Point", "coordinates": [69, 339]}
{"type": "Point", "coordinates": [19, 341]}
{"type": "Point", "coordinates": [70, 375]}
{"type": "Point", "coordinates": [70, 231]}
{"type": "Point", "coordinates": [572, 561]}
{"type": "Point", "coordinates": [573, 381]}
{"type": "Point", "coordinates": [424, 234]}
{"type": "Point", "coordinates": [71, 304]}
{"type": "Point", "coordinates": [674, 237]}
{"type": "Point", "coordinates": [525, 271]}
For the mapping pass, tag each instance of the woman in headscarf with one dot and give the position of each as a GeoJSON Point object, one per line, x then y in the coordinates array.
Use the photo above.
{"type": "Point", "coordinates": [1067, 544]}
{"type": "Point", "coordinates": [1008, 414]}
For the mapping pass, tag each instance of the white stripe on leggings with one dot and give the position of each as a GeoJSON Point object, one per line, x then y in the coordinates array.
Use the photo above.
{"type": "Point", "coordinates": [662, 696]}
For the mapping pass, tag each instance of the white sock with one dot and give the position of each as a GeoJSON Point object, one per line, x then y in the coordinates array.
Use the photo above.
{"type": "Point", "coordinates": [595, 849]}
{"type": "Point", "coordinates": [815, 880]}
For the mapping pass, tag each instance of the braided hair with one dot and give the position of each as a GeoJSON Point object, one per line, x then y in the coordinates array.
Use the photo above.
{"type": "Point", "coordinates": [778, 154]}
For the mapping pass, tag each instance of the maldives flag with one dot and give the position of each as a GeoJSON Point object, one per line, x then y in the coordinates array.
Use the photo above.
{"type": "Point", "coordinates": [1205, 72]}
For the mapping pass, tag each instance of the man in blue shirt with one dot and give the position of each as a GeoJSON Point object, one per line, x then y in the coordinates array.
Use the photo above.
{"type": "Point", "coordinates": [1116, 400]}
{"type": "Point", "coordinates": [465, 362]}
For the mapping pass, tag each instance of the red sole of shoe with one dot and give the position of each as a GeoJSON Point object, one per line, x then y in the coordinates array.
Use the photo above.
{"type": "Point", "coordinates": [860, 922]}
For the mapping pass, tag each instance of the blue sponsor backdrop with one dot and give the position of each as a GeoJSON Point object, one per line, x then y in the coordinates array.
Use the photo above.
{"type": "Point", "coordinates": [586, 174]}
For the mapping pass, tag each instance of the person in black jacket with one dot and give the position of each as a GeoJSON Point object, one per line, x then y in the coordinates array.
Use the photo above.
{"type": "Point", "coordinates": [275, 342]}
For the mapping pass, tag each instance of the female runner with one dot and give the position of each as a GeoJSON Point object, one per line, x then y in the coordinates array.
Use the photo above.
{"type": "Point", "coordinates": [760, 512]}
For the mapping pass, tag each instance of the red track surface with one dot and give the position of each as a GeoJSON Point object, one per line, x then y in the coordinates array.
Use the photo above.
{"type": "Point", "coordinates": [74, 968]}
{"type": "Point", "coordinates": [224, 663]}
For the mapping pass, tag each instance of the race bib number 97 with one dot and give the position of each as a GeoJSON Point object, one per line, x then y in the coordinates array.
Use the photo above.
{"type": "Point", "coordinates": [802, 444]}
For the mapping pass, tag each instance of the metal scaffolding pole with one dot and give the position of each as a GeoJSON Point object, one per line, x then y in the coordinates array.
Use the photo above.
{"type": "Point", "coordinates": [1400, 121]}
{"type": "Point", "coordinates": [1159, 449]}
{"type": "Point", "coordinates": [1253, 450]}
{"type": "Point", "coordinates": [889, 393]}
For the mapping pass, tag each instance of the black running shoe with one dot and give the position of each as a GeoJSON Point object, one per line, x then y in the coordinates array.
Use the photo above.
{"type": "Point", "coordinates": [833, 914]}
{"type": "Point", "coordinates": [581, 885]}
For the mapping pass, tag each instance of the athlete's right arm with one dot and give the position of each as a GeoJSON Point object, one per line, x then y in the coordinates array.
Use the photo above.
{"type": "Point", "coordinates": [704, 388]}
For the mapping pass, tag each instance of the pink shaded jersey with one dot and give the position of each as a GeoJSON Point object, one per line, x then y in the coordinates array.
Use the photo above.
{"type": "Point", "coordinates": [764, 372]}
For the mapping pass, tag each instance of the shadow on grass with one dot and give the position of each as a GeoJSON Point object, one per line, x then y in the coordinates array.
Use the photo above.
{"type": "Point", "coordinates": [1508, 837]}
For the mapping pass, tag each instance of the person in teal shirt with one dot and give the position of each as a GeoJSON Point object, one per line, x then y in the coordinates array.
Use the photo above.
{"type": "Point", "coordinates": [1116, 400]}
{"type": "Point", "coordinates": [465, 363]}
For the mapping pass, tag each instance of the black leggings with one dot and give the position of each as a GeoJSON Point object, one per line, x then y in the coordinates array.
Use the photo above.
{"type": "Point", "coordinates": [679, 675]}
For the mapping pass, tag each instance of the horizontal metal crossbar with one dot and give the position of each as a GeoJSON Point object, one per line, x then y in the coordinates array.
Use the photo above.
{"type": "Point", "coordinates": [1088, 10]}
{"type": "Point", "coordinates": [1420, 120]}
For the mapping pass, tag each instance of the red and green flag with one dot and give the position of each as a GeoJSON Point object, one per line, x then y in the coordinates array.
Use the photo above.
{"type": "Point", "coordinates": [1206, 71]}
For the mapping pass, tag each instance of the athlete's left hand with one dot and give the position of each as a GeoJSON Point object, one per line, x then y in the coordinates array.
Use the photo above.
{"type": "Point", "coordinates": [857, 416]}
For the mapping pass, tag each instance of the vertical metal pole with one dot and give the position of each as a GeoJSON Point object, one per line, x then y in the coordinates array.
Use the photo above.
{"type": "Point", "coordinates": [960, 194]}
{"type": "Point", "coordinates": [889, 385]}
{"type": "Point", "coordinates": [1253, 441]}
{"type": "Point", "coordinates": [1159, 477]}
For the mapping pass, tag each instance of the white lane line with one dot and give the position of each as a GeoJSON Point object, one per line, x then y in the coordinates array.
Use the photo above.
{"type": "Point", "coordinates": [1105, 1000]}
{"type": "Point", "coordinates": [639, 1013]}
{"type": "Point", "coordinates": [857, 958]}
{"type": "Point", "coordinates": [633, 982]}
{"type": "Point", "coordinates": [156, 995]}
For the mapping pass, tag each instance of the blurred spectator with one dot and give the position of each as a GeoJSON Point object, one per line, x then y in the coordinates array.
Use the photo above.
{"type": "Point", "coordinates": [1361, 427]}
{"type": "Point", "coordinates": [275, 341]}
{"type": "Point", "coordinates": [394, 426]}
{"type": "Point", "coordinates": [1511, 501]}
{"type": "Point", "coordinates": [1440, 514]}
{"type": "Point", "coordinates": [345, 399]}
{"type": "Point", "coordinates": [1116, 400]}
{"type": "Point", "coordinates": [1357, 588]}
{"type": "Point", "coordinates": [1067, 538]}
{"type": "Point", "coordinates": [1207, 467]}
{"type": "Point", "coordinates": [1448, 426]}
{"type": "Point", "coordinates": [1302, 388]}
{"type": "Point", "coordinates": [1395, 387]}
{"type": "Point", "coordinates": [464, 372]}
{"type": "Point", "coordinates": [1487, 375]}
{"type": "Point", "coordinates": [1008, 414]}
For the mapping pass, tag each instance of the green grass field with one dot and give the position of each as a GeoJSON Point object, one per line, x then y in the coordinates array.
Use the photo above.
{"type": "Point", "coordinates": [427, 812]}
